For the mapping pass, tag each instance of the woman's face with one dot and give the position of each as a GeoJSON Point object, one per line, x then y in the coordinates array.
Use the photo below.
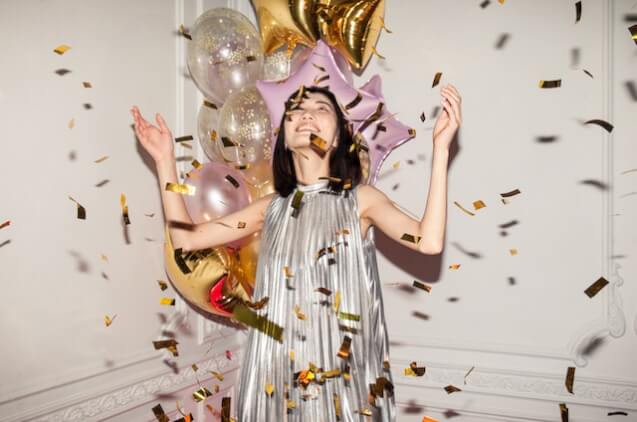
{"type": "Point", "coordinates": [314, 115]}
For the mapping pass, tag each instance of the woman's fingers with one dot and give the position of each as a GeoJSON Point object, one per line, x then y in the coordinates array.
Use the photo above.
{"type": "Point", "coordinates": [451, 93]}
{"type": "Point", "coordinates": [453, 102]}
{"type": "Point", "coordinates": [448, 104]}
{"type": "Point", "coordinates": [162, 123]}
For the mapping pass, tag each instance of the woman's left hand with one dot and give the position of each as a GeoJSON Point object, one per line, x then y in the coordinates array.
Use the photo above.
{"type": "Point", "coordinates": [449, 119]}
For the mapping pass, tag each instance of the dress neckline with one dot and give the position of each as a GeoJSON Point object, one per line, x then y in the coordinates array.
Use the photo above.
{"type": "Point", "coordinates": [312, 187]}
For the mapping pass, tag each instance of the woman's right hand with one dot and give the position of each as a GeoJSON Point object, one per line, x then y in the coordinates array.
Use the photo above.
{"type": "Point", "coordinates": [156, 140]}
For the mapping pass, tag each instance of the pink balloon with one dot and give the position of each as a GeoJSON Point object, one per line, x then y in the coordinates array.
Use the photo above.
{"type": "Point", "coordinates": [381, 141]}
{"type": "Point", "coordinates": [319, 64]}
{"type": "Point", "coordinates": [216, 194]}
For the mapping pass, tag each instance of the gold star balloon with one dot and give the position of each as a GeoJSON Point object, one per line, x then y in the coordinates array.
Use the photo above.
{"type": "Point", "coordinates": [350, 26]}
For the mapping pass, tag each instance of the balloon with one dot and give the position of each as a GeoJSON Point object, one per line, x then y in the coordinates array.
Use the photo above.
{"type": "Point", "coordinates": [245, 128]}
{"type": "Point", "coordinates": [281, 63]}
{"type": "Point", "coordinates": [321, 63]}
{"type": "Point", "coordinates": [225, 53]}
{"type": "Point", "coordinates": [207, 120]}
{"type": "Point", "coordinates": [209, 268]}
{"type": "Point", "coordinates": [215, 194]}
{"type": "Point", "coordinates": [381, 142]}
{"type": "Point", "coordinates": [288, 22]}
{"type": "Point", "coordinates": [351, 26]}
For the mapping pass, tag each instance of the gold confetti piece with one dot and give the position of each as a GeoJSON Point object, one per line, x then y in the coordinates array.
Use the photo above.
{"type": "Point", "coordinates": [318, 145]}
{"type": "Point", "coordinates": [556, 83]}
{"type": "Point", "coordinates": [228, 354]}
{"type": "Point", "coordinates": [184, 32]}
{"type": "Point", "coordinates": [299, 314]}
{"type": "Point", "coordinates": [348, 316]}
{"type": "Point", "coordinates": [451, 389]}
{"type": "Point", "coordinates": [510, 194]}
{"type": "Point", "coordinates": [81, 211]}
{"type": "Point", "coordinates": [454, 266]}
{"type": "Point", "coordinates": [196, 164]}
{"type": "Point", "coordinates": [633, 32]}
{"type": "Point", "coordinates": [167, 301]}
{"type": "Point", "coordinates": [564, 412]}
{"type": "Point", "coordinates": [217, 375]}
{"type": "Point", "coordinates": [337, 406]}
{"type": "Point", "coordinates": [210, 105]}
{"type": "Point", "coordinates": [5, 224]}
{"type": "Point", "coordinates": [343, 352]}
{"type": "Point", "coordinates": [318, 80]}
{"type": "Point", "coordinates": [326, 292]}
{"type": "Point", "coordinates": [292, 355]}
{"type": "Point", "coordinates": [354, 102]}
{"type": "Point", "coordinates": [102, 159]}
{"type": "Point", "coordinates": [122, 201]}
{"type": "Point", "coordinates": [71, 123]}
{"type": "Point", "coordinates": [463, 208]}
{"type": "Point", "coordinates": [291, 404]}
{"type": "Point", "coordinates": [61, 49]}
{"type": "Point", "coordinates": [185, 418]}
{"type": "Point", "coordinates": [150, 215]}
{"type": "Point", "coordinates": [365, 412]}
{"type": "Point", "coordinates": [251, 58]}
{"type": "Point", "coordinates": [467, 374]}
{"type": "Point", "coordinates": [159, 413]}
{"type": "Point", "coordinates": [243, 314]}
{"type": "Point", "coordinates": [162, 284]}
{"type": "Point", "coordinates": [269, 389]}
{"type": "Point", "coordinates": [427, 418]}
{"type": "Point", "coordinates": [170, 345]}
{"type": "Point", "coordinates": [337, 302]}
{"type": "Point", "coordinates": [410, 238]}
{"type": "Point", "coordinates": [617, 413]}
{"type": "Point", "coordinates": [603, 123]}
{"type": "Point", "coordinates": [386, 365]}
{"type": "Point", "coordinates": [257, 305]}
{"type": "Point", "coordinates": [225, 409]}
{"type": "Point", "coordinates": [288, 272]}
{"type": "Point", "coordinates": [578, 11]}
{"type": "Point", "coordinates": [570, 377]}
{"type": "Point", "coordinates": [87, 85]}
{"type": "Point", "coordinates": [478, 205]}
{"type": "Point", "coordinates": [108, 320]}
{"type": "Point", "coordinates": [513, 251]}
{"type": "Point", "coordinates": [180, 188]}
{"type": "Point", "coordinates": [423, 117]}
{"type": "Point", "coordinates": [104, 257]}
{"type": "Point", "coordinates": [184, 138]}
{"type": "Point", "coordinates": [201, 394]}
{"type": "Point", "coordinates": [297, 203]}
{"type": "Point", "coordinates": [594, 288]}
{"type": "Point", "coordinates": [422, 286]}
{"type": "Point", "coordinates": [436, 80]}
{"type": "Point", "coordinates": [233, 181]}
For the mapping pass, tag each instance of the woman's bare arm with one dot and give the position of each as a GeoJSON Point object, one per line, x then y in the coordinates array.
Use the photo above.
{"type": "Point", "coordinates": [223, 230]}
{"type": "Point", "coordinates": [429, 233]}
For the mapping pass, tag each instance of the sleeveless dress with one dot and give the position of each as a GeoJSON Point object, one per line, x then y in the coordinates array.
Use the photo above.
{"type": "Point", "coordinates": [302, 300]}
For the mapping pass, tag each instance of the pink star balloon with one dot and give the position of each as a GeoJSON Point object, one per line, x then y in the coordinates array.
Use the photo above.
{"type": "Point", "coordinates": [384, 134]}
{"type": "Point", "coordinates": [320, 69]}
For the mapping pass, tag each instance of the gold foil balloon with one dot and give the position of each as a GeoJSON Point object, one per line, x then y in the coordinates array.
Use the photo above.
{"type": "Point", "coordinates": [350, 26]}
{"type": "Point", "coordinates": [353, 27]}
{"type": "Point", "coordinates": [208, 268]}
{"type": "Point", "coordinates": [207, 120]}
{"type": "Point", "coordinates": [245, 129]}
{"type": "Point", "coordinates": [225, 53]}
{"type": "Point", "coordinates": [286, 22]}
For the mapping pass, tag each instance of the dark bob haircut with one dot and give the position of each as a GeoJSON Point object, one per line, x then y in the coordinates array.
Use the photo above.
{"type": "Point", "coordinates": [343, 164]}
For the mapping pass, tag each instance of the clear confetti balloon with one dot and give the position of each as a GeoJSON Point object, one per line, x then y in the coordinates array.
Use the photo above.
{"type": "Point", "coordinates": [207, 123]}
{"type": "Point", "coordinates": [245, 129]}
{"type": "Point", "coordinates": [281, 64]}
{"type": "Point", "coordinates": [225, 53]}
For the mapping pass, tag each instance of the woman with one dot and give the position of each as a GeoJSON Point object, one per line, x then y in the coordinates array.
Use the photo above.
{"type": "Point", "coordinates": [317, 263]}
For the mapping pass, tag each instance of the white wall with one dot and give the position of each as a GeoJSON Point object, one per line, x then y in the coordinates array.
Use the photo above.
{"type": "Point", "coordinates": [60, 362]}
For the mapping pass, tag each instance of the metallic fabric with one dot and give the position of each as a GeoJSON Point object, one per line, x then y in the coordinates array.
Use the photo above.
{"type": "Point", "coordinates": [294, 242]}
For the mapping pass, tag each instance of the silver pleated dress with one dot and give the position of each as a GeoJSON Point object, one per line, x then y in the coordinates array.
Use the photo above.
{"type": "Point", "coordinates": [348, 267]}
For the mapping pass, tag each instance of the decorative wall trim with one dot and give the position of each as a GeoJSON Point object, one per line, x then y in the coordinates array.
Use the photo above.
{"type": "Point", "coordinates": [102, 406]}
